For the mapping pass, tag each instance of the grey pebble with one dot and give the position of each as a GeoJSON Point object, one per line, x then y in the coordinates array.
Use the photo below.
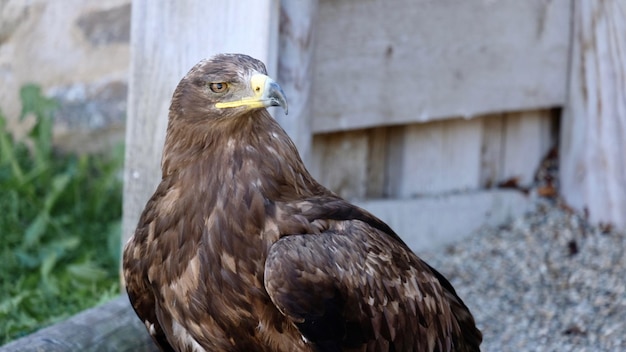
{"type": "Point", "coordinates": [548, 281]}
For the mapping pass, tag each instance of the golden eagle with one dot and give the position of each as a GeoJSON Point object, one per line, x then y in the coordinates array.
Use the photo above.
{"type": "Point", "coordinates": [240, 249]}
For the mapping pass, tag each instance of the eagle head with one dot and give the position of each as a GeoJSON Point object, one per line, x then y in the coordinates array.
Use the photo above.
{"type": "Point", "coordinates": [225, 85]}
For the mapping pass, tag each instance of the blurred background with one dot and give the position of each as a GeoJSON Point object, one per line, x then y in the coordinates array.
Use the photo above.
{"type": "Point", "coordinates": [488, 131]}
{"type": "Point", "coordinates": [63, 87]}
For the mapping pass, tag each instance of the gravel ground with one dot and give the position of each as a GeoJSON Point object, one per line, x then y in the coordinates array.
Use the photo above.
{"type": "Point", "coordinates": [545, 282]}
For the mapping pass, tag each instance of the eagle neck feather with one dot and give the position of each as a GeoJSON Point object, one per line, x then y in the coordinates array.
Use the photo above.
{"type": "Point", "coordinates": [251, 148]}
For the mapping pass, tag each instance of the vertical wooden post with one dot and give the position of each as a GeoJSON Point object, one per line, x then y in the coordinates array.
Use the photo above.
{"type": "Point", "coordinates": [166, 41]}
{"type": "Point", "coordinates": [593, 135]}
{"type": "Point", "coordinates": [296, 44]}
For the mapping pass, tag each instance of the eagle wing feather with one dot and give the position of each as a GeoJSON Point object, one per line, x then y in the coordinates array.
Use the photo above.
{"type": "Point", "coordinates": [353, 286]}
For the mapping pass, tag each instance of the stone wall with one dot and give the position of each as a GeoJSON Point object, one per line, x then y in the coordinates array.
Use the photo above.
{"type": "Point", "coordinates": [78, 52]}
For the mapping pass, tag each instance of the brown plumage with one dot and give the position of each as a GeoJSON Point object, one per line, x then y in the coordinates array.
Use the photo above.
{"type": "Point", "coordinates": [240, 249]}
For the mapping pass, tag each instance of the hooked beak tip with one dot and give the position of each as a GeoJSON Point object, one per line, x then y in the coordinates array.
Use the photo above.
{"type": "Point", "coordinates": [277, 96]}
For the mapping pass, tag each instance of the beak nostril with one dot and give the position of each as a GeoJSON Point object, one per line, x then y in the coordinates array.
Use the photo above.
{"type": "Point", "coordinates": [258, 89]}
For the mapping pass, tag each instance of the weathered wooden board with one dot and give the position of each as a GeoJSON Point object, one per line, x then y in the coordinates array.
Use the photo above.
{"type": "Point", "coordinates": [513, 146]}
{"type": "Point", "coordinates": [112, 326]}
{"type": "Point", "coordinates": [377, 161]}
{"type": "Point", "coordinates": [340, 162]}
{"type": "Point", "coordinates": [527, 139]}
{"type": "Point", "coordinates": [492, 152]}
{"type": "Point", "coordinates": [390, 62]}
{"type": "Point", "coordinates": [434, 157]}
{"type": "Point", "coordinates": [167, 40]}
{"type": "Point", "coordinates": [593, 135]}
{"type": "Point", "coordinates": [295, 66]}
{"type": "Point", "coordinates": [430, 222]}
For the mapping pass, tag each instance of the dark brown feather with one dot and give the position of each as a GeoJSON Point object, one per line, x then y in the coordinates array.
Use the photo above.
{"type": "Point", "coordinates": [240, 249]}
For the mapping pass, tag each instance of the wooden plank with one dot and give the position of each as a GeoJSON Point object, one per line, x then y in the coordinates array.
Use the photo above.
{"type": "Point", "coordinates": [527, 139]}
{"type": "Point", "coordinates": [395, 160]}
{"type": "Point", "coordinates": [492, 150]}
{"type": "Point", "coordinates": [340, 162]}
{"type": "Point", "coordinates": [377, 155]}
{"type": "Point", "coordinates": [593, 135]}
{"type": "Point", "coordinates": [419, 60]}
{"type": "Point", "coordinates": [435, 157]}
{"type": "Point", "coordinates": [429, 222]}
{"type": "Point", "coordinates": [112, 326]}
{"type": "Point", "coordinates": [297, 39]}
{"type": "Point", "coordinates": [513, 146]}
{"type": "Point", "coordinates": [167, 40]}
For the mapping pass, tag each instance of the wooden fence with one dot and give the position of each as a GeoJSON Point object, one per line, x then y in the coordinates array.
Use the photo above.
{"type": "Point", "coordinates": [401, 111]}
{"type": "Point", "coordinates": [408, 107]}
{"type": "Point", "coordinates": [110, 327]}
{"type": "Point", "coordinates": [413, 109]}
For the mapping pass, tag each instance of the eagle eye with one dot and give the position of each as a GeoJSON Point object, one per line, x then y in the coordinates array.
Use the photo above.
{"type": "Point", "coordinates": [219, 87]}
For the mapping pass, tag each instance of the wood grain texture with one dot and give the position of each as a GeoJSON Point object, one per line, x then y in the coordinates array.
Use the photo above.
{"type": "Point", "coordinates": [378, 154]}
{"type": "Point", "coordinates": [340, 162]}
{"type": "Point", "coordinates": [295, 65]}
{"type": "Point", "coordinates": [430, 222]}
{"type": "Point", "coordinates": [492, 151]}
{"type": "Point", "coordinates": [112, 326]}
{"type": "Point", "coordinates": [167, 40]}
{"type": "Point", "coordinates": [434, 157]}
{"type": "Point", "coordinates": [527, 139]}
{"type": "Point", "coordinates": [593, 135]}
{"type": "Point", "coordinates": [513, 145]}
{"type": "Point", "coordinates": [380, 63]}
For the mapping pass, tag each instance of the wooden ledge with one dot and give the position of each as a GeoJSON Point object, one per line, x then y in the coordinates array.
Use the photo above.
{"type": "Point", "coordinates": [112, 326]}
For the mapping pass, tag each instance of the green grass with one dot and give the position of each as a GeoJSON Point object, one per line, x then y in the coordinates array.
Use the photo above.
{"type": "Point", "coordinates": [59, 225]}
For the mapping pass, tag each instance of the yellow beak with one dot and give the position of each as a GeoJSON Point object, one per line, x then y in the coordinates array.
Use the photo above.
{"type": "Point", "coordinates": [266, 93]}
